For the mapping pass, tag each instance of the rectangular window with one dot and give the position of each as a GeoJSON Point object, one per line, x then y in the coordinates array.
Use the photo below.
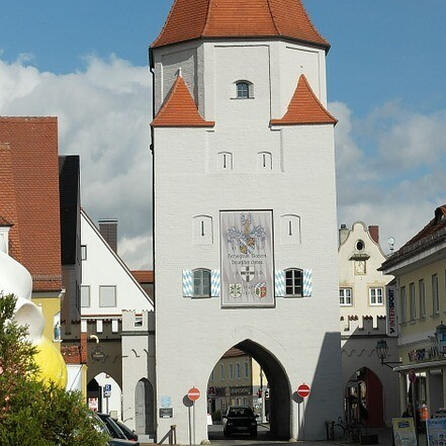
{"type": "Point", "coordinates": [413, 305]}
{"type": "Point", "coordinates": [376, 296]}
{"type": "Point", "coordinates": [231, 371]}
{"type": "Point", "coordinates": [85, 296]}
{"type": "Point", "coordinates": [237, 370]}
{"type": "Point", "coordinates": [107, 296]}
{"type": "Point", "coordinates": [293, 282]}
{"type": "Point", "coordinates": [435, 298]}
{"type": "Point", "coordinates": [345, 297]}
{"type": "Point", "coordinates": [83, 252]}
{"type": "Point", "coordinates": [403, 304]}
{"type": "Point", "coordinates": [246, 369]}
{"type": "Point", "coordinates": [422, 297]}
{"type": "Point", "coordinates": [222, 372]}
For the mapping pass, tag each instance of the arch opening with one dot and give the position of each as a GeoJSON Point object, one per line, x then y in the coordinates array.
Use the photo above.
{"type": "Point", "coordinates": [248, 375]}
{"type": "Point", "coordinates": [364, 402]}
{"type": "Point", "coordinates": [144, 408]}
{"type": "Point", "coordinates": [104, 395]}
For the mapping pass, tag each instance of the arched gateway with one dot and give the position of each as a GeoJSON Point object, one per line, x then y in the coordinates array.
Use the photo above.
{"type": "Point", "coordinates": [232, 84]}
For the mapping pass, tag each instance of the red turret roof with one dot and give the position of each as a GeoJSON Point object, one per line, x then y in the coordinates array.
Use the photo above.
{"type": "Point", "coordinates": [305, 108]}
{"type": "Point", "coordinates": [194, 19]}
{"type": "Point", "coordinates": [179, 109]}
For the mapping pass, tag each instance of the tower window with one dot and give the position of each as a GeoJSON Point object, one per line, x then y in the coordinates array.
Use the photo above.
{"type": "Point", "coordinates": [244, 90]}
{"type": "Point", "coordinates": [202, 230]}
{"type": "Point", "coordinates": [225, 161]}
{"type": "Point", "coordinates": [202, 283]}
{"type": "Point", "coordinates": [264, 161]}
{"type": "Point", "coordinates": [293, 282]}
{"type": "Point", "coordinates": [290, 229]}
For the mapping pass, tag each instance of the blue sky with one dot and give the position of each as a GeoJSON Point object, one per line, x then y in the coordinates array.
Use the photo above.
{"type": "Point", "coordinates": [86, 62]}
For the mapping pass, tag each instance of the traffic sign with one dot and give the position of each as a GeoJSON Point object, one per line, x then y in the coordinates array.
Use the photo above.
{"type": "Point", "coordinates": [107, 390]}
{"type": "Point", "coordinates": [193, 394]}
{"type": "Point", "coordinates": [412, 376]}
{"type": "Point", "coordinates": [303, 390]}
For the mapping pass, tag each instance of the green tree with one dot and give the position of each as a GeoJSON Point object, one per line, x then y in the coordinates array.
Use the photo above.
{"type": "Point", "coordinates": [33, 413]}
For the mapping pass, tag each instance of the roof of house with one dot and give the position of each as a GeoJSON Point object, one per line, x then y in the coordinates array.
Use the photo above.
{"type": "Point", "coordinates": [305, 108]}
{"type": "Point", "coordinates": [143, 276]}
{"type": "Point", "coordinates": [195, 19]}
{"type": "Point", "coordinates": [69, 181]}
{"type": "Point", "coordinates": [179, 109]}
{"type": "Point", "coordinates": [234, 352]}
{"type": "Point", "coordinates": [29, 182]}
{"type": "Point", "coordinates": [433, 233]}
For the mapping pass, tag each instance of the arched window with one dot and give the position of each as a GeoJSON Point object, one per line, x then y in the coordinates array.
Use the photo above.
{"type": "Point", "coordinates": [293, 282]}
{"type": "Point", "coordinates": [202, 230]}
{"type": "Point", "coordinates": [290, 229]}
{"type": "Point", "coordinates": [264, 161]}
{"type": "Point", "coordinates": [244, 90]}
{"type": "Point", "coordinates": [225, 161]}
{"type": "Point", "coordinates": [202, 283]}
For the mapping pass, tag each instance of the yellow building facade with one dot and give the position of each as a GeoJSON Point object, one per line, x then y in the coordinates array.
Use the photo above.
{"type": "Point", "coordinates": [420, 271]}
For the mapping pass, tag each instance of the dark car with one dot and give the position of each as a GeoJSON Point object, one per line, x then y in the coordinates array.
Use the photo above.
{"type": "Point", "coordinates": [131, 435]}
{"type": "Point", "coordinates": [240, 419]}
{"type": "Point", "coordinates": [118, 437]}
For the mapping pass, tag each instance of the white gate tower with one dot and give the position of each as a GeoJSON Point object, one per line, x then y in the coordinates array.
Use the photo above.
{"type": "Point", "coordinates": [245, 210]}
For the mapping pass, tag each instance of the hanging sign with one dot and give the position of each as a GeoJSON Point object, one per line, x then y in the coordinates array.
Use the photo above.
{"type": "Point", "coordinates": [392, 322]}
{"type": "Point", "coordinates": [247, 262]}
{"type": "Point", "coordinates": [404, 432]}
{"type": "Point", "coordinates": [436, 431]}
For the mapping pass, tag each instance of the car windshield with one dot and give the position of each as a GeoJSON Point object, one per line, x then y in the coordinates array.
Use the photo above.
{"type": "Point", "coordinates": [113, 428]}
{"type": "Point", "coordinates": [240, 412]}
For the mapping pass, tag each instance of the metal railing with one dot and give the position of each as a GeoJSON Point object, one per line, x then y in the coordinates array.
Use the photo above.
{"type": "Point", "coordinates": [171, 435]}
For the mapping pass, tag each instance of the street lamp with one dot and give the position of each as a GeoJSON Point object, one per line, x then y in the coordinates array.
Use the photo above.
{"type": "Point", "coordinates": [382, 351]}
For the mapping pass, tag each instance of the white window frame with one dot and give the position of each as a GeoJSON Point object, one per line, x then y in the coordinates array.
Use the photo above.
{"type": "Point", "coordinates": [85, 287]}
{"type": "Point", "coordinates": [100, 300]}
{"type": "Point", "coordinates": [343, 297]}
{"type": "Point", "coordinates": [83, 252]}
{"type": "Point", "coordinates": [371, 297]}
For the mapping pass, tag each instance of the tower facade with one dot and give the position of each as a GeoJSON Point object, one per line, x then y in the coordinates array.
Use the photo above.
{"type": "Point", "coordinates": [245, 210]}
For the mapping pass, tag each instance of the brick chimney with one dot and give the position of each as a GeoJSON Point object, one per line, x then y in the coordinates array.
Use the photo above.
{"type": "Point", "coordinates": [109, 230]}
{"type": "Point", "coordinates": [374, 233]}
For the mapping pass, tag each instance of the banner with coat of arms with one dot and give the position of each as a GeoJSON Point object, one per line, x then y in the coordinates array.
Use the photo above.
{"type": "Point", "coordinates": [247, 278]}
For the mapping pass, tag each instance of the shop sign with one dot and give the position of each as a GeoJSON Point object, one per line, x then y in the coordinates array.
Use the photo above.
{"type": "Point", "coordinates": [392, 323]}
{"type": "Point", "coordinates": [404, 432]}
{"type": "Point", "coordinates": [241, 390]}
{"type": "Point", "coordinates": [436, 432]}
{"type": "Point", "coordinates": [166, 412]}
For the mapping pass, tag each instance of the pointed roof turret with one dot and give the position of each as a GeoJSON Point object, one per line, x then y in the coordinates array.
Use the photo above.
{"type": "Point", "coordinates": [195, 19]}
{"type": "Point", "coordinates": [305, 108]}
{"type": "Point", "coordinates": [179, 109]}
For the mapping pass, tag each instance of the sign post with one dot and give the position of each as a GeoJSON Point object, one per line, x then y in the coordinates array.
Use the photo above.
{"type": "Point", "coordinates": [107, 394]}
{"type": "Point", "coordinates": [303, 391]}
{"type": "Point", "coordinates": [193, 394]}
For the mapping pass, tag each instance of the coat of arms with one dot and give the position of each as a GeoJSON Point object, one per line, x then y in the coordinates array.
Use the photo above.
{"type": "Point", "coordinates": [235, 290]}
{"type": "Point", "coordinates": [261, 290]}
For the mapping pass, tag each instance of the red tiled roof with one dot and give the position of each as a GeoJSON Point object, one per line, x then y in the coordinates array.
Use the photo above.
{"type": "Point", "coordinates": [233, 352]}
{"type": "Point", "coordinates": [194, 19]}
{"type": "Point", "coordinates": [29, 199]}
{"type": "Point", "coordinates": [305, 108]}
{"type": "Point", "coordinates": [143, 276]}
{"type": "Point", "coordinates": [179, 109]}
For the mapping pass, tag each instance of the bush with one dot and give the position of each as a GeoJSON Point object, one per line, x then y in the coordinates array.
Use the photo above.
{"type": "Point", "coordinates": [33, 413]}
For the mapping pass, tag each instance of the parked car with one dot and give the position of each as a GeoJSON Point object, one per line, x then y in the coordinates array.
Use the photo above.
{"type": "Point", "coordinates": [117, 437]}
{"type": "Point", "coordinates": [240, 419]}
{"type": "Point", "coordinates": [129, 433]}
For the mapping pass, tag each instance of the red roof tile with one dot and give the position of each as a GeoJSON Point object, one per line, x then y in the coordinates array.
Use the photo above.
{"type": "Point", "coordinates": [29, 181]}
{"type": "Point", "coordinates": [305, 108]}
{"type": "Point", "coordinates": [143, 276]}
{"type": "Point", "coordinates": [179, 109]}
{"type": "Point", "coordinates": [194, 19]}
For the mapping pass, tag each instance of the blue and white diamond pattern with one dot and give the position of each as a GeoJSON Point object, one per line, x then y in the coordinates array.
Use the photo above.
{"type": "Point", "coordinates": [188, 287]}
{"type": "Point", "coordinates": [215, 283]}
{"type": "Point", "coordinates": [308, 283]}
{"type": "Point", "coordinates": [280, 283]}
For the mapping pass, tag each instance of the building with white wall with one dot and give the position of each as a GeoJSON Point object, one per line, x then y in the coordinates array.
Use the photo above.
{"type": "Point", "coordinates": [119, 351]}
{"type": "Point", "coordinates": [362, 300]}
{"type": "Point", "coordinates": [245, 210]}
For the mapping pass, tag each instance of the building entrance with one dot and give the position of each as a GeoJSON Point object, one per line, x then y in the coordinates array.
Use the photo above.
{"type": "Point", "coordinates": [249, 377]}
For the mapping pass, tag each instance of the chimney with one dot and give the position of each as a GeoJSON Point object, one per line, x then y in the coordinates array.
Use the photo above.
{"type": "Point", "coordinates": [374, 233]}
{"type": "Point", "coordinates": [109, 230]}
{"type": "Point", "coordinates": [343, 234]}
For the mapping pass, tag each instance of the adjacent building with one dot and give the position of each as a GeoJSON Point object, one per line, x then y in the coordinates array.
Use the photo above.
{"type": "Point", "coordinates": [370, 387]}
{"type": "Point", "coordinates": [420, 271]}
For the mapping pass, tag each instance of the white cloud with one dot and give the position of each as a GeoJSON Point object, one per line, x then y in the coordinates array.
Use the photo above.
{"type": "Point", "coordinates": [104, 117]}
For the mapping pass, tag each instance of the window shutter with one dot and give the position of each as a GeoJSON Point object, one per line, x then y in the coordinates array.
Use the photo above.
{"type": "Point", "coordinates": [307, 283]}
{"type": "Point", "coordinates": [215, 283]}
{"type": "Point", "coordinates": [188, 288]}
{"type": "Point", "coordinates": [280, 283]}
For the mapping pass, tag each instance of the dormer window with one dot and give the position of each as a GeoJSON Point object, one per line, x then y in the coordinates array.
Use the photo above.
{"type": "Point", "coordinates": [244, 90]}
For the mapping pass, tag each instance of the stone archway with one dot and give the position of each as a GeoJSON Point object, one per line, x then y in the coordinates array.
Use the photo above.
{"type": "Point", "coordinates": [144, 408]}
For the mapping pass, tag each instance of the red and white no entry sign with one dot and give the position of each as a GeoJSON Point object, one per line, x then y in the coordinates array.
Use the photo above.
{"type": "Point", "coordinates": [193, 394]}
{"type": "Point", "coordinates": [303, 390]}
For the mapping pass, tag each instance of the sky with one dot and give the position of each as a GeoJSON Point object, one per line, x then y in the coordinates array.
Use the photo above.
{"type": "Point", "coordinates": [86, 62]}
